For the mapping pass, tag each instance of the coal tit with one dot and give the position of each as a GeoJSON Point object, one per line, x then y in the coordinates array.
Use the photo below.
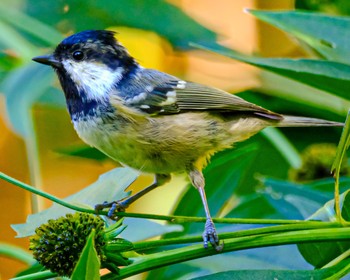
{"type": "Point", "coordinates": [149, 120]}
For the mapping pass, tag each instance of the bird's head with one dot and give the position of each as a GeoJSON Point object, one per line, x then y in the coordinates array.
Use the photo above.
{"type": "Point", "coordinates": [89, 64]}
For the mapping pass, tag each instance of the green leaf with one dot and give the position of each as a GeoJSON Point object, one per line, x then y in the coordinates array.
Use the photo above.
{"type": "Point", "coordinates": [34, 269]}
{"type": "Point", "coordinates": [84, 151]}
{"type": "Point", "coordinates": [337, 164]}
{"type": "Point", "coordinates": [30, 25]}
{"type": "Point", "coordinates": [270, 258]}
{"type": "Point", "coordinates": [22, 88]}
{"type": "Point", "coordinates": [278, 274]}
{"type": "Point", "coordinates": [110, 186]}
{"type": "Point", "coordinates": [135, 230]}
{"type": "Point", "coordinates": [333, 77]}
{"type": "Point", "coordinates": [328, 35]}
{"type": "Point", "coordinates": [88, 266]}
{"type": "Point", "coordinates": [11, 39]}
{"type": "Point", "coordinates": [320, 254]}
{"type": "Point", "coordinates": [155, 15]}
{"type": "Point", "coordinates": [342, 146]}
{"type": "Point", "coordinates": [283, 145]}
{"type": "Point", "coordinates": [293, 201]}
{"type": "Point", "coordinates": [17, 253]}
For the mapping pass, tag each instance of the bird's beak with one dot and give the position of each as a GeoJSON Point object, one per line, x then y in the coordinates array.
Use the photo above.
{"type": "Point", "coordinates": [48, 60]}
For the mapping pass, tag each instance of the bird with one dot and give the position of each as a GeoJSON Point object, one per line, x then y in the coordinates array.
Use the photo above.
{"type": "Point", "coordinates": [152, 121]}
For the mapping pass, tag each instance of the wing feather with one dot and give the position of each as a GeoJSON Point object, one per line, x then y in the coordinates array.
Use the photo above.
{"type": "Point", "coordinates": [160, 93]}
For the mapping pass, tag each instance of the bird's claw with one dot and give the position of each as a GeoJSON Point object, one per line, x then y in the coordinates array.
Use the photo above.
{"type": "Point", "coordinates": [114, 207]}
{"type": "Point", "coordinates": [210, 236]}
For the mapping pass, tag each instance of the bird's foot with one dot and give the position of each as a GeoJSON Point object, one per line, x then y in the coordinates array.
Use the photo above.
{"type": "Point", "coordinates": [114, 207]}
{"type": "Point", "coordinates": [210, 236]}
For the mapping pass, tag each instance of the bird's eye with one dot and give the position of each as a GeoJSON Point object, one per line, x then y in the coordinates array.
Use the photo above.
{"type": "Point", "coordinates": [78, 55]}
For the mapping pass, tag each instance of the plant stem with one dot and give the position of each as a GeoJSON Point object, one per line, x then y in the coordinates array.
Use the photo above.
{"type": "Point", "coordinates": [146, 245]}
{"type": "Point", "coordinates": [338, 259]}
{"type": "Point", "coordinates": [47, 274]}
{"type": "Point", "coordinates": [336, 197]}
{"type": "Point", "coordinates": [169, 257]}
{"type": "Point", "coordinates": [169, 218]}
{"type": "Point", "coordinates": [43, 194]}
{"type": "Point", "coordinates": [16, 253]}
{"type": "Point", "coordinates": [343, 145]}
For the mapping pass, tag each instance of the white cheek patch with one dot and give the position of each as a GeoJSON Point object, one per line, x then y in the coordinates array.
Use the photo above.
{"type": "Point", "coordinates": [95, 79]}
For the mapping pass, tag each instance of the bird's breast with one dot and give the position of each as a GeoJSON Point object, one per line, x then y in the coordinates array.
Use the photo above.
{"type": "Point", "coordinates": [164, 144]}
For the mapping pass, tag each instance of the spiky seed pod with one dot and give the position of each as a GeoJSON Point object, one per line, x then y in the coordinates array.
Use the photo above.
{"type": "Point", "coordinates": [57, 245]}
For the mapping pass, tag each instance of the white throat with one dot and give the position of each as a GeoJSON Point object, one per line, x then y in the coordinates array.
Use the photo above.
{"type": "Point", "coordinates": [95, 79]}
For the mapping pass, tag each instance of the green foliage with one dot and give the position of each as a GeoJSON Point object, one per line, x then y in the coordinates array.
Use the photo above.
{"type": "Point", "coordinates": [334, 44]}
{"type": "Point", "coordinates": [88, 266]}
{"type": "Point", "coordinates": [237, 186]}
{"type": "Point", "coordinates": [17, 253]}
{"type": "Point", "coordinates": [329, 76]}
{"type": "Point", "coordinates": [277, 274]}
{"type": "Point", "coordinates": [328, 6]}
{"type": "Point", "coordinates": [105, 188]}
{"type": "Point", "coordinates": [155, 15]}
{"type": "Point", "coordinates": [320, 254]}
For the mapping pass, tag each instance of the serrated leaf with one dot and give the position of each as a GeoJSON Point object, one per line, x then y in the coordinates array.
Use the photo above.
{"type": "Point", "coordinates": [327, 34]}
{"type": "Point", "coordinates": [110, 186]}
{"type": "Point", "coordinates": [333, 77]}
{"type": "Point", "coordinates": [320, 253]}
{"type": "Point", "coordinates": [88, 265]}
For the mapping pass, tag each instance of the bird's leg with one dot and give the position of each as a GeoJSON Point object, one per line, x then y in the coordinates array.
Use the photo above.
{"type": "Point", "coordinates": [121, 205]}
{"type": "Point", "coordinates": [209, 234]}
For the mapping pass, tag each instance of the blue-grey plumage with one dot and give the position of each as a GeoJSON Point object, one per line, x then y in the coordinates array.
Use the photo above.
{"type": "Point", "coordinates": [150, 120]}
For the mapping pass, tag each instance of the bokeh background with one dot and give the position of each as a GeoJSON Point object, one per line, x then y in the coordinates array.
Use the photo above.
{"type": "Point", "coordinates": [37, 142]}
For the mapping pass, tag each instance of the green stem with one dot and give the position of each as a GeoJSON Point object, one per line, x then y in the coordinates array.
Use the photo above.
{"type": "Point", "coordinates": [169, 218]}
{"type": "Point", "coordinates": [343, 145]}
{"type": "Point", "coordinates": [47, 274]}
{"type": "Point", "coordinates": [33, 161]}
{"type": "Point", "coordinates": [340, 273]}
{"type": "Point", "coordinates": [16, 253]}
{"type": "Point", "coordinates": [43, 194]}
{"type": "Point", "coordinates": [169, 257]}
{"type": "Point", "coordinates": [338, 259]}
{"type": "Point", "coordinates": [146, 245]}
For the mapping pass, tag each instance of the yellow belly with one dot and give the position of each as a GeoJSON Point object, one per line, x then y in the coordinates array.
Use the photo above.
{"type": "Point", "coordinates": [163, 144]}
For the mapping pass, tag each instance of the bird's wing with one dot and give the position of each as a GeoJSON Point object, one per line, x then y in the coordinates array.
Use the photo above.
{"type": "Point", "coordinates": [159, 93]}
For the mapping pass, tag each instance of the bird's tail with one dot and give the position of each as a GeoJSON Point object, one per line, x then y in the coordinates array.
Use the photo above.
{"type": "Point", "coordinates": [292, 121]}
